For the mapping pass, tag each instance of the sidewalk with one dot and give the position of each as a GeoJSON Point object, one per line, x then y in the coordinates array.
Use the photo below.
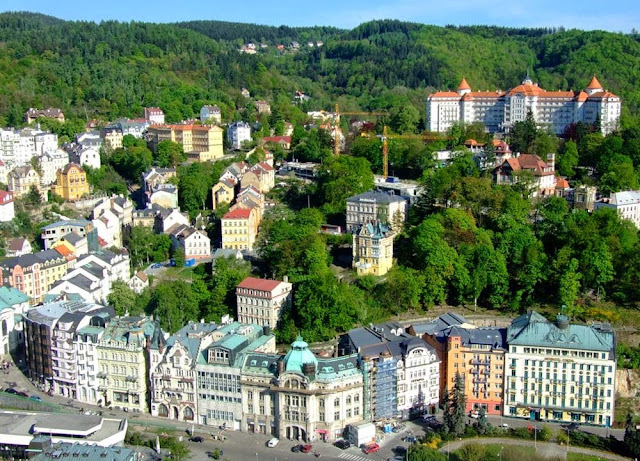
{"type": "Point", "coordinates": [546, 449]}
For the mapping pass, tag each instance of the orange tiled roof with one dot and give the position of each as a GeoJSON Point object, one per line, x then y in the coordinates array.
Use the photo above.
{"type": "Point", "coordinates": [594, 84]}
{"type": "Point", "coordinates": [445, 94]}
{"type": "Point", "coordinates": [253, 283]}
{"type": "Point", "coordinates": [562, 183]}
{"type": "Point", "coordinates": [463, 85]}
{"type": "Point", "coordinates": [237, 213]}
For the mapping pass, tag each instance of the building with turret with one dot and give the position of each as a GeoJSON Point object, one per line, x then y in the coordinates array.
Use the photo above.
{"type": "Point", "coordinates": [500, 110]}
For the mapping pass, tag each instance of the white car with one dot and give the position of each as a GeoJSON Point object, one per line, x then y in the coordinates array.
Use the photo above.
{"type": "Point", "coordinates": [273, 442]}
{"type": "Point", "coordinates": [475, 415]}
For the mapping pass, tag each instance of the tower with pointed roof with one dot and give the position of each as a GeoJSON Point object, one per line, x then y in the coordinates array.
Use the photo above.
{"type": "Point", "coordinates": [594, 86]}
{"type": "Point", "coordinates": [464, 87]}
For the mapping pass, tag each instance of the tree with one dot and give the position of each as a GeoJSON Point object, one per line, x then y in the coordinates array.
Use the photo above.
{"type": "Point", "coordinates": [473, 452]}
{"type": "Point", "coordinates": [169, 154]}
{"type": "Point", "coordinates": [631, 436]}
{"type": "Point", "coordinates": [340, 178]}
{"type": "Point", "coordinates": [122, 298]}
{"type": "Point", "coordinates": [570, 286]}
{"type": "Point", "coordinates": [33, 197]}
{"type": "Point", "coordinates": [568, 160]}
{"type": "Point", "coordinates": [174, 304]}
{"type": "Point", "coordinates": [419, 452]}
{"type": "Point", "coordinates": [454, 407]}
{"type": "Point", "coordinates": [523, 134]}
{"type": "Point", "coordinates": [482, 421]}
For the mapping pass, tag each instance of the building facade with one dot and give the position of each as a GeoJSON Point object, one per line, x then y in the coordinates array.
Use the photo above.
{"type": "Point", "coordinates": [499, 111]}
{"type": "Point", "coordinates": [238, 133]}
{"type": "Point", "coordinates": [379, 206]}
{"type": "Point", "coordinates": [626, 204]}
{"type": "Point", "coordinates": [373, 249]}
{"type": "Point", "coordinates": [560, 371]}
{"type": "Point", "coordinates": [239, 228]}
{"type": "Point", "coordinates": [7, 208]}
{"type": "Point", "coordinates": [71, 182]}
{"type": "Point", "coordinates": [34, 273]}
{"type": "Point", "coordinates": [262, 301]}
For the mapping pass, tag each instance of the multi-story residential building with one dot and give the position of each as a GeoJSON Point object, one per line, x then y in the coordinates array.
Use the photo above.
{"type": "Point", "coordinates": [109, 229]}
{"type": "Point", "coordinates": [166, 219]}
{"type": "Point", "coordinates": [477, 355]}
{"type": "Point", "coordinates": [261, 176]}
{"type": "Point", "coordinates": [223, 192]}
{"type": "Point", "coordinates": [67, 360]}
{"type": "Point", "coordinates": [499, 110]}
{"type": "Point", "coordinates": [121, 207]}
{"type": "Point", "coordinates": [51, 233]}
{"type": "Point", "coordinates": [4, 171]}
{"type": "Point", "coordinates": [40, 323]}
{"type": "Point", "coordinates": [263, 107]}
{"type": "Point", "coordinates": [172, 373]}
{"type": "Point", "coordinates": [263, 301]}
{"type": "Point", "coordinates": [373, 249]}
{"type": "Point", "coordinates": [33, 274]}
{"type": "Point", "coordinates": [13, 305]}
{"type": "Point", "coordinates": [626, 204]}
{"type": "Point", "coordinates": [18, 246]}
{"type": "Point", "coordinates": [541, 173]}
{"type": "Point", "coordinates": [85, 344]}
{"type": "Point", "coordinates": [22, 179]}
{"type": "Point", "coordinates": [401, 372]}
{"type": "Point", "coordinates": [154, 115]}
{"type": "Point", "coordinates": [7, 209]}
{"type": "Point", "coordinates": [88, 156]}
{"type": "Point", "coordinates": [301, 396]}
{"type": "Point", "coordinates": [135, 128]}
{"type": "Point", "coordinates": [210, 114]}
{"type": "Point", "coordinates": [560, 371]}
{"type": "Point", "coordinates": [123, 355]}
{"type": "Point", "coordinates": [238, 133]}
{"type": "Point", "coordinates": [71, 182]}
{"type": "Point", "coordinates": [91, 139]}
{"type": "Point", "coordinates": [112, 138]}
{"type": "Point", "coordinates": [239, 228]}
{"type": "Point", "coordinates": [379, 206]}
{"type": "Point", "coordinates": [156, 176]}
{"type": "Point", "coordinates": [194, 243]}
{"type": "Point", "coordinates": [50, 162]}
{"type": "Point", "coordinates": [218, 371]}
{"type": "Point", "coordinates": [201, 143]}
{"type": "Point", "coordinates": [33, 115]}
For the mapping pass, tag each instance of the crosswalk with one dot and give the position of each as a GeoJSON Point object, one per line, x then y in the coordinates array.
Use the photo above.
{"type": "Point", "coordinates": [351, 457]}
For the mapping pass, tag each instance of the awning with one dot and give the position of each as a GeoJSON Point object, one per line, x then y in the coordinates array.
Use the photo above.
{"type": "Point", "coordinates": [322, 431]}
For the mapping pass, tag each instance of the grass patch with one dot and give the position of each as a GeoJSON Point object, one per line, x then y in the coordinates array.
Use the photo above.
{"type": "Point", "coordinates": [580, 457]}
{"type": "Point", "coordinates": [496, 452]}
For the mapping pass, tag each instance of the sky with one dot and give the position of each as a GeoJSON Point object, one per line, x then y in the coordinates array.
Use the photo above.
{"type": "Point", "coordinates": [612, 15]}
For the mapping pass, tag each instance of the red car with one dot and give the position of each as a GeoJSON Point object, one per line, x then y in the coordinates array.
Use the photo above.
{"type": "Point", "coordinates": [306, 448]}
{"type": "Point", "coordinates": [372, 448]}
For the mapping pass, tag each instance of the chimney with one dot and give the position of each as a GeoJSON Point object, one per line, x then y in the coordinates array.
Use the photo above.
{"type": "Point", "coordinates": [551, 161]}
{"type": "Point", "coordinates": [285, 279]}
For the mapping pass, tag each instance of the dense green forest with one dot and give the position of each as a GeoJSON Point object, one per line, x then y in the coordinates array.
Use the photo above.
{"type": "Point", "coordinates": [115, 69]}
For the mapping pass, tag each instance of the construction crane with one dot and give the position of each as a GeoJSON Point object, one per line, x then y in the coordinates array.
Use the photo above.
{"type": "Point", "coordinates": [336, 120]}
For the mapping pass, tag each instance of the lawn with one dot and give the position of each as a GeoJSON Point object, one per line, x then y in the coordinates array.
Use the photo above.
{"type": "Point", "coordinates": [508, 453]}
{"type": "Point", "coordinates": [579, 457]}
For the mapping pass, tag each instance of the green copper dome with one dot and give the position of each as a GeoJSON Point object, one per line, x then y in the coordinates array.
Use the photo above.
{"type": "Point", "coordinates": [298, 356]}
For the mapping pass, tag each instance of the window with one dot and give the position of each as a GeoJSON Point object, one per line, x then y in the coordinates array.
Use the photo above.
{"type": "Point", "coordinates": [336, 416]}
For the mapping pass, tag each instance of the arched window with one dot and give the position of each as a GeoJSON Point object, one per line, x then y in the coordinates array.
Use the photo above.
{"type": "Point", "coordinates": [163, 411]}
{"type": "Point", "coordinates": [4, 328]}
{"type": "Point", "coordinates": [188, 414]}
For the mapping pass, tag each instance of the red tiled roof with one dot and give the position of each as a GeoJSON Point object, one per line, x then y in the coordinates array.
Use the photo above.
{"type": "Point", "coordinates": [602, 94]}
{"type": "Point", "coordinates": [102, 242]}
{"type": "Point", "coordinates": [238, 213]}
{"type": "Point", "coordinates": [5, 197]}
{"type": "Point", "coordinates": [253, 283]}
{"type": "Point", "coordinates": [63, 250]}
{"type": "Point", "coordinates": [464, 85]}
{"type": "Point", "coordinates": [142, 276]}
{"type": "Point", "coordinates": [594, 84]}
{"type": "Point", "coordinates": [529, 162]}
{"type": "Point", "coordinates": [277, 139]}
{"type": "Point", "coordinates": [562, 183]}
{"type": "Point", "coordinates": [445, 94]}
{"type": "Point", "coordinates": [16, 244]}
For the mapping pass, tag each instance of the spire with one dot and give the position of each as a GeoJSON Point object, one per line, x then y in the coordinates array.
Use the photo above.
{"type": "Point", "coordinates": [464, 85]}
{"type": "Point", "coordinates": [527, 80]}
{"type": "Point", "coordinates": [595, 84]}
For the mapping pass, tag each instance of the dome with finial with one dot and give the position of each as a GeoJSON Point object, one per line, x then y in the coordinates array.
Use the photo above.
{"type": "Point", "coordinates": [298, 356]}
{"type": "Point", "coordinates": [594, 84]}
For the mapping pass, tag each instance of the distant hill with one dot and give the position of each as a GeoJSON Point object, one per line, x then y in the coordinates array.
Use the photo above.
{"type": "Point", "coordinates": [113, 69]}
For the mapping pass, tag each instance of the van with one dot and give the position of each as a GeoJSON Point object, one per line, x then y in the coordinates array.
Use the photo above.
{"type": "Point", "coordinates": [272, 443]}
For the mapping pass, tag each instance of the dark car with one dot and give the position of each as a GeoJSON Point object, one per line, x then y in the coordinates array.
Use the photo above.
{"type": "Point", "coordinates": [410, 439]}
{"type": "Point", "coordinates": [342, 444]}
{"type": "Point", "coordinates": [296, 448]}
{"type": "Point", "coordinates": [11, 391]}
{"type": "Point", "coordinates": [573, 427]}
{"type": "Point", "coordinates": [400, 450]}
{"type": "Point", "coordinates": [306, 449]}
{"type": "Point", "coordinates": [22, 394]}
{"type": "Point", "coordinates": [197, 439]}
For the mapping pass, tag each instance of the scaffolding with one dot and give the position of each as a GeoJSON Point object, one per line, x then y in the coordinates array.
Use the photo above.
{"type": "Point", "coordinates": [385, 396]}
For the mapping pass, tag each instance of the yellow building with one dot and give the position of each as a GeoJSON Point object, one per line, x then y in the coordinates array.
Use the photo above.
{"type": "Point", "coordinates": [239, 228]}
{"type": "Point", "coordinates": [71, 182]}
{"type": "Point", "coordinates": [122, 362]}
{"type": "Point", "coordinates": [201, 143]}
{"type": "Point", "coordinates": [21, 179]}
{"type": "Point", "coordinates": [223, 192]}
{"type": "Point", "coordinates": [373, 249]}
{"type": "Point", "coordinates": [113, 139]}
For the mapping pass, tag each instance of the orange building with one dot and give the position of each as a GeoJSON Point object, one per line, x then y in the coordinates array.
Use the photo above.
{"type": "Point", "coordinates": [477, 354]}
{"type": "Point", "coordinates": [71, 182]}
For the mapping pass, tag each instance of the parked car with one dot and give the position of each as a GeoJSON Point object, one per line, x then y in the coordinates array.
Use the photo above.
{"type": "Point", "coordinates": [296, 448]}
{"type": "Point", "coordinates": [400, 450]}
{"type": "Point", "coordinates": [36, 398]}
{"type": "Point", "coordinates": [22, 394]}
{"type": "Point", "coordinates": [11, 390]}
{"type": "Point", "coordinates": [371, 448]}
{"type": "Point", "coordinates": [474, 414]}
{"type": "Point", "coordinates": [197, 439]}
{"type": "Point", "coordinates": [272, 443]}
{"type": "Point", "coordinates": [342, 444]}
{"type": "Point", "coordinates": [410, 439]}
{"type": "Point", "coordinates": [306, 448]}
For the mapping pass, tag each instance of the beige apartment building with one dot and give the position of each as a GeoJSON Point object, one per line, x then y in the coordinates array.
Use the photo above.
{"type": "Point", "coordinates": [201, 143]}
{"type": "Point", "coordinates": [262, 301]}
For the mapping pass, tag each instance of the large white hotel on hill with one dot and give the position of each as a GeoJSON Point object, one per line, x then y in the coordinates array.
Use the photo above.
{"type": "Point", "coordinates": [499, 110]}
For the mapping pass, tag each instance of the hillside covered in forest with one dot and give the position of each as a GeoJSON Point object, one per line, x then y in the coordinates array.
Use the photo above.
{"type": "Point", "coordinates": [114, 69]}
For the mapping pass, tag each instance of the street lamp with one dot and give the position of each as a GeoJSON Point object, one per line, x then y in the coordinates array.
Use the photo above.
{"type": "Point", "coordinates": [256, 456]}
{"type": "Point", "coordinates": [500, 453]}
{"type": "Point", "coordinates": [535, 437]}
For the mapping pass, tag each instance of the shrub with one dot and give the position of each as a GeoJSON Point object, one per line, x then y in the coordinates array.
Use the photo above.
{"type": "Point", "coordinates": [473, 452]}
